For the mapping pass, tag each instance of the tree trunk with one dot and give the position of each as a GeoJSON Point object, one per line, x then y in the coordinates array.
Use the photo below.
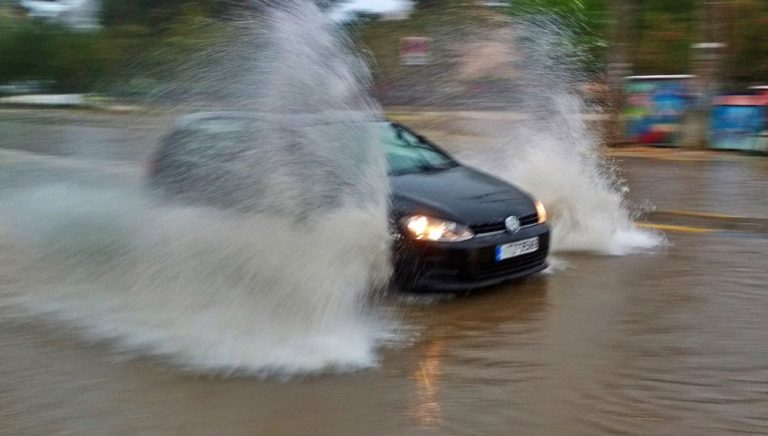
{"type": "Point", "coordinates": [618, 68]}
{"type": "Point", "coordinates": [706, 68]}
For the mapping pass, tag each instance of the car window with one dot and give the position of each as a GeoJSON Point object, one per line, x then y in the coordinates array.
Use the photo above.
{"type": "Point", "coordinates": [223, 139]}
{"type": "Point", "coordinates": [208, 145]}
{"type": "Point", "coordinates": [406, 153]}
{"type": "Point", "coordinates": [221, 125]}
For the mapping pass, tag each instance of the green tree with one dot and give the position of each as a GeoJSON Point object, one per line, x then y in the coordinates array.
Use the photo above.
{"type": "Point", "coordinates": [586, 20]}
{"type": "Point", "coordinates": [747, 42]}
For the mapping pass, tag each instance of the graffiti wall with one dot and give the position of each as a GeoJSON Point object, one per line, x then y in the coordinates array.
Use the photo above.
{"type": "Point", "coordinates": [655, 108]}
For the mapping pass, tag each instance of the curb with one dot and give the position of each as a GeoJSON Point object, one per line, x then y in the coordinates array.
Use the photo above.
{"type": "Point", "coordinates": [65, 101]}
{"type": "Point", "coordinates": [693, 221]}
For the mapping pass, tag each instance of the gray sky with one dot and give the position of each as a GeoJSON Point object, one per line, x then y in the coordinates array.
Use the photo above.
{"type": "Point", "coordinates": [373, 6]}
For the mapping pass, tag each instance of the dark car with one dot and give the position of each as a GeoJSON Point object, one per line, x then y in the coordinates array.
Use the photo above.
{"type": "Point", "coordinates": [455, 228]}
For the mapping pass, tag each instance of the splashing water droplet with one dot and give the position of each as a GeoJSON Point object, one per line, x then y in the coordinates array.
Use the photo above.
{"type": "Point", "coordinates": [553, 153]}
{"type": "Point", "coordinates": [270, 290]}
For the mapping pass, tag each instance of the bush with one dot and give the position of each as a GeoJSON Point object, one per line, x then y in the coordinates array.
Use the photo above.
{"type": "Point", "coordinates": [40, 51]}
{"type": "Point", "coordinates": [100, 60]}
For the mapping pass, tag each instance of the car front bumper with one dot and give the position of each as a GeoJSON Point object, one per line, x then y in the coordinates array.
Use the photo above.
{"type": "Point", "coordinates": [467, 265]}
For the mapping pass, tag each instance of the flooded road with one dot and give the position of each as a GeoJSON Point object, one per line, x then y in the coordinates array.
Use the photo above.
{"type": "Point", "coordinates": [671, 341]}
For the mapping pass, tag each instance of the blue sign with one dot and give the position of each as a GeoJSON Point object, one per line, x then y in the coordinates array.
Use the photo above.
{"type": "Point", "coordinates": [737, 127]}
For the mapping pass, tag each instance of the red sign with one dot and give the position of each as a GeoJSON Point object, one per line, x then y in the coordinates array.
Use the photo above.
{"type": "Point", "coordinates": [414, 50]}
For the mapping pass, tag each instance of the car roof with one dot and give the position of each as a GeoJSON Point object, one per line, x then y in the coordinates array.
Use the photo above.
{"type": "Point", "coordinates": [301, 119]}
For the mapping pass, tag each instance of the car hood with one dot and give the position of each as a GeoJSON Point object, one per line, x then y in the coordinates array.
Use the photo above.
{"type": "Point", "coordinates": [461, 194]}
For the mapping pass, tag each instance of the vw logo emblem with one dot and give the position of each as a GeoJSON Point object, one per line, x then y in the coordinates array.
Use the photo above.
{"type": "Point", "coordinates": [512, 223]}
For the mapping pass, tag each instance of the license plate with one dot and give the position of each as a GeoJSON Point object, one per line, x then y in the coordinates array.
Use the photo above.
{"type": "Point", "coordinates": [518, 248]}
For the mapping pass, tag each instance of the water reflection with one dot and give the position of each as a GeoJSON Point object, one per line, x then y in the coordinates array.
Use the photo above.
{"type": "Point", "coordinates": [427, 376]}
{"type": "Point", "coordinates": [480, 325]}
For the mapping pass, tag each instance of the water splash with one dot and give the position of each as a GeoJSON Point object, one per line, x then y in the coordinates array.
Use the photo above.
{"type": "Point", "coordinates": [214, 289]}
{"type": "Point", "coordinates": [553, 153]}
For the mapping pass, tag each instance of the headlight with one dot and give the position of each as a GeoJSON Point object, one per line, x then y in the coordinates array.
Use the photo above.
{"type": "Point", "coordinates": [426, 228]}
{"type": "Point", "coordinates": [541, 212]}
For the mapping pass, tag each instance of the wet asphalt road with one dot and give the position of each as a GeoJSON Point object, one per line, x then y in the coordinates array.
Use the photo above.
{"type": "Point", "coordinates": [672, 342]}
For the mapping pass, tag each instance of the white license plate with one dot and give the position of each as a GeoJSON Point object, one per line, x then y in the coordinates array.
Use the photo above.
{"type": "Point", "coordinates": [518, 248]}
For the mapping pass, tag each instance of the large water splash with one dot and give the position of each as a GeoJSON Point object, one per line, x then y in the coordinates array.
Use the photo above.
{"type": "Point", "coordinates": [552, 152]}
{"type": "Point", "coordinates": [217, 289]}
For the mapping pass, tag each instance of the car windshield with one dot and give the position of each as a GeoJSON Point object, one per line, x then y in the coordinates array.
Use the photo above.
{"type": "Point", "coordinates": [407, 153]}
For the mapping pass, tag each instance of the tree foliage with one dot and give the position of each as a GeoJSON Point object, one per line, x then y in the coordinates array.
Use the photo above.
{"type": "Point", "coordinates": [661, 33]}
{"type": "Point", "coordinates": [747, 39]}
{"type": "Point", "coordinates": [585, 20]}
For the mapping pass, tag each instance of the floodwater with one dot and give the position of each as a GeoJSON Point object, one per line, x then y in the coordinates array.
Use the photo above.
{"type": "Point", "coordinates": [670, 341]}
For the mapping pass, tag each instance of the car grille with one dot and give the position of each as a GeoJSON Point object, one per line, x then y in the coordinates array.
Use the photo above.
{"type": "Point", "coordinates": [526, 220]}
{"type": "Point", "coordinates": [491, 269]}
{"type": "Point", "coordinates": [529, 220]}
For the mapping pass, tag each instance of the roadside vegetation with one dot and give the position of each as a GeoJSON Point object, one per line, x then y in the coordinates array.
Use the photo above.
{"type": "Point", "coordinates": [130, 54]}
{"type": "Point", "coordinates": [141, 42]}
{"type": "Point", "coordinates": [658, 33]}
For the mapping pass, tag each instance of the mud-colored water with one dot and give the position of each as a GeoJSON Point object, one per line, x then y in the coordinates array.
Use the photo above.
{"type": "Point", "coordinates": [120, 314]}
{"type": "Point", "coordinates": [643, 344]}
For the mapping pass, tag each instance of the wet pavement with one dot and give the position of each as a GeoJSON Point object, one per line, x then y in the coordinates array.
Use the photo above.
{"type": "Point", "coordinates": [658, 343]}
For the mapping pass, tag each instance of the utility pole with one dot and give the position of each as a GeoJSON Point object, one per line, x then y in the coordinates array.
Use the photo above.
{"type": "Point", "coordinates": [707, 58]}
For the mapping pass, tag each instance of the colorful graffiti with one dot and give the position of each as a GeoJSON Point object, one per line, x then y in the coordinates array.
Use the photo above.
{"type": "Point", "coordinates": [655, 107]}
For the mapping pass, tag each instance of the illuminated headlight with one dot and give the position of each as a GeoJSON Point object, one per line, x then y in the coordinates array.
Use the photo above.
{"type": "Point", "coordinates": [426, 228]}
{"type": "Point", "coordinates": [541, 212]}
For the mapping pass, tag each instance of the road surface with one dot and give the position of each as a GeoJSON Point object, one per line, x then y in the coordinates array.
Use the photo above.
{"type": "Point", "coordinates": [668, 342]}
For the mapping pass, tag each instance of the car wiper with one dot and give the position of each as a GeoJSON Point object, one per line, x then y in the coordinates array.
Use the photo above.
{"type": "Point", "coordinates": [418, 169]}
{"type": "Point", "coordinates": [428, 168]}
{"type": "Point", "coordinates": [424, 168]}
